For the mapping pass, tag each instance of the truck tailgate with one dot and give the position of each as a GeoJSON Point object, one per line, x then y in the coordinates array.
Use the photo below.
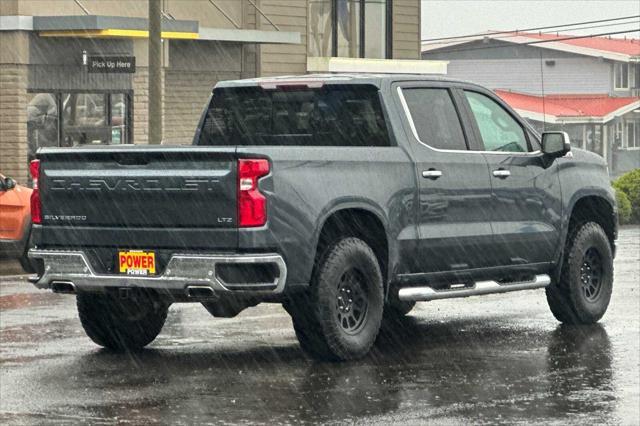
{"type": "Point", "coordinates": [135, 187]}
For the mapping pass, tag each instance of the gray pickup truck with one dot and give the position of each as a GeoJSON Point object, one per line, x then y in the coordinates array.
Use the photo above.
{"type": "Point", "coordinates": [347, 198]}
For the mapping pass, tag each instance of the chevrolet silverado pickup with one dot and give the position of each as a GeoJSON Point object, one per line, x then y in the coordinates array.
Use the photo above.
{"type": "Point", "coordinates": [346, 198]}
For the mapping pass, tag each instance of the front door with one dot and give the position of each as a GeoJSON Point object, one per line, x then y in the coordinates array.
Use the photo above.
{"type": "Point", "coordinates": [454, 186]}
{"type": "Point", "coordinates": [527, 205]}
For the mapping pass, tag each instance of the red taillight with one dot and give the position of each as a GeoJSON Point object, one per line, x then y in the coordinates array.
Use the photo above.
{"type": "Point", "coordinates": [36, 206]}
{"type": "Point", "coordinates": [252, 205]}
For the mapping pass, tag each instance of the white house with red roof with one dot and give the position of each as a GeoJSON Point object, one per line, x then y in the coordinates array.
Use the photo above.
{"type": "Point", "coordinates": [588, 87]}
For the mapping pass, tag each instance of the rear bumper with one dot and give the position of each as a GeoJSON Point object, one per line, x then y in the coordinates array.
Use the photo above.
{"type": "Point", "coordinates": [183, 271]}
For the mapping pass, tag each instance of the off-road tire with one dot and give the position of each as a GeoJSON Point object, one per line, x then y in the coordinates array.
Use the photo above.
{"type": "Point", "coordinates": [323, 326]}
{"type": "Point", "coordinates": [24, 260]}
{"type": "Point", "coordinates": [25, 263]}
{"type": "Point", "coordinates": [573, 299]}
{"type": "Point", "coordinates": [121, 324]}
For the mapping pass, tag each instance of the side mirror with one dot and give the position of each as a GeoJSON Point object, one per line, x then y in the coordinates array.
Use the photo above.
{"type": "Point", "coordinates": [9, 183]}
{"type": "Point", "coordinates": [555, 144]}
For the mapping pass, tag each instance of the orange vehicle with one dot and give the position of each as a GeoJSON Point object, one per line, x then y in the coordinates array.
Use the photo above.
{"type": "Point", "coordinates": [15, 220]}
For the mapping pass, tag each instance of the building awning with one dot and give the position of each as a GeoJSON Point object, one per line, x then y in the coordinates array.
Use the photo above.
{"type": "Point", "coordinates": [384, 66]}
{"type": "Point", "coordinates": [569, 108]}
{"type": "Point", "coordinates": [250, 36]}
{"type": "Point", "coordinates": [97, 26]}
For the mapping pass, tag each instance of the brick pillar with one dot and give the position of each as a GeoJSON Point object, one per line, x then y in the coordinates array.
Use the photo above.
{"type": "Point", "coordinates": [140, 84]}
{"type": "Point", "coordinates": [13, 122]}
{"type": "Point", "coordinates": [140, 105]}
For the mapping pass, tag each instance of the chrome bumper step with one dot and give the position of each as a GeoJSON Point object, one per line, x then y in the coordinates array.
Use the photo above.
{"type": "Point", "coordinates": [191, 274]}
{"type": "Point", "coordinates": [423, 294]}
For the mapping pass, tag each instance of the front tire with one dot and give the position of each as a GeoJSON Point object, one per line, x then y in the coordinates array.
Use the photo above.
{"type": "Point", "coordinates": [339, 318]}
{"type": "Point", "coordinates": [582, 296]}
{"type": "Point", "coordinates": [121, 324]}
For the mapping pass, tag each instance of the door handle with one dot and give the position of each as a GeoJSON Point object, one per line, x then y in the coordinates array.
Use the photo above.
{"type": "Point", "coordinates": [432, 174]}
{"type": "Point", "coordinates": [502, 173]}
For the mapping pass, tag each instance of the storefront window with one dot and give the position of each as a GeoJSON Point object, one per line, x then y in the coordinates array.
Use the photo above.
{"type": "Point", "coordinates": [375, 31]}
{"type": "Point", "coordinates": [84, 119]}
{"type": "Point", "coordinates": [349, 28]}
{"type": "Point", "coordinates": [42, 122]}
{"type": "Point", "coordinates": [77, 118]}
{"type": "Point", "coordinates": [320, 28]}
{"type": "Point", "coordinates": [118, 118]}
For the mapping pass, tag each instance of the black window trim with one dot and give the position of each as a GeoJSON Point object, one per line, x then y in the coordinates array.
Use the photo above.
{"type": "Point", "coordinates": [463, 120]}
{"type": "Point", "coordinates": [474, 124]}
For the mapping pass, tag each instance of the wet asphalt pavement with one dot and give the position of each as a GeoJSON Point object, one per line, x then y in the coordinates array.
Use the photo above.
{"type": "Point", "coordinates": [490, 359]}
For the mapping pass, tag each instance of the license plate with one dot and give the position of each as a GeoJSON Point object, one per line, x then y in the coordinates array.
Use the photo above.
{"type": "Point", "coordinates": [137, 262]}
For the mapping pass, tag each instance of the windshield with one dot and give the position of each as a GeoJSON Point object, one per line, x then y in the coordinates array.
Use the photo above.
{"type": "Point", "coordinates": [338, 115]}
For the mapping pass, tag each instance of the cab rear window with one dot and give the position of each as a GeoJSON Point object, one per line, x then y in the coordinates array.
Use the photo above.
{"type": "Point", "coordinates": [332, 115]}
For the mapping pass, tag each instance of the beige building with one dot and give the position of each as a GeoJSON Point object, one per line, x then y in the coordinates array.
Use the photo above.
{"type": "Point", "coordinates": [75, 71]}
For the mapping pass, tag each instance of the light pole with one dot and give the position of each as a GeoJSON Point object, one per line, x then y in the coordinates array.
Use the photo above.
{"type": "Point", "coordinates": [155, 72]}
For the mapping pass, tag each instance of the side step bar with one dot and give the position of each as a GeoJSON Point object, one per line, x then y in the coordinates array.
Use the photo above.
{"type": "Point", "coordinates": [423, 294]}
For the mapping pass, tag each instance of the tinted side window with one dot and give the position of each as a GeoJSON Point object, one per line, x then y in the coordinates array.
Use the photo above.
{"type": "Point", "coordinates": [435, 118]}
{"type": "Point", "coordinates": [499, 130]}
{"type": "Point", "coordinates": [339, 115]}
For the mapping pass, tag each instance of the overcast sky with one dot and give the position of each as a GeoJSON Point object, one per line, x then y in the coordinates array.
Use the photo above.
{"type": "Point", "coordinates": [442, 18]}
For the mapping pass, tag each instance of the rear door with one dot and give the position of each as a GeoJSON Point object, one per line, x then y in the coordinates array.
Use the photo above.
{"type": "Point", "coordinates": [454, 187]}
{"type": "Point", "coordinates": [526, 207]}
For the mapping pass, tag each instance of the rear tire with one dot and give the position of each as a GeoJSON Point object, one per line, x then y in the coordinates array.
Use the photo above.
{"type": "Point", "coordinates": [586, 282]}
{"type": "Point", "coordinates": [121, 324]}
{"type": "Point", "coordinates": [24, 260]}
{"type": "Point", "coordinates": [339, 317]}
{"type": "Point", "coordinates": [25, 263]}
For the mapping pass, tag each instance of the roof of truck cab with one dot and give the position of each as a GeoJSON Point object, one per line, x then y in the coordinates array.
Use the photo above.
{"type": "Point", "coordinates": [359, 78]}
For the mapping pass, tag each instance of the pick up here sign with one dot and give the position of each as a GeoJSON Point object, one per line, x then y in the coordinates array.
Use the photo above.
{"type": "Point", "coordinates": [111, 64]}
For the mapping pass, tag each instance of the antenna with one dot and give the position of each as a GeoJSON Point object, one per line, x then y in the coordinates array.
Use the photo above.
{"type": "Point", "coordinates": [544, 111]}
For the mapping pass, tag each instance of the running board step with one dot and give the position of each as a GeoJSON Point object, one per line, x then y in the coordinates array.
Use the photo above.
{"type": "Point", "coordinates": [423, 294]}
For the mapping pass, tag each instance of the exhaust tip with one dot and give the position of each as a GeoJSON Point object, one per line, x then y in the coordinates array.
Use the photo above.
{"type": "Point", "coordinates": [63, 287]}
{"type": "Point", "coordinates": [200, 291]}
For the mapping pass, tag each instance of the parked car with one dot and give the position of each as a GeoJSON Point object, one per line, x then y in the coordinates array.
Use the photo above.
{"type": "Point", "coordinates": [15, 221]}
{"type": "Point", "coordinates": [346, 198]}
